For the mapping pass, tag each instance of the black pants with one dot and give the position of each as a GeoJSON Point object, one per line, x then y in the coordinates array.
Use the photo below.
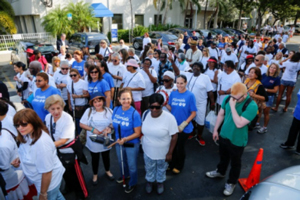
{"type": "Point", "coordinates": [294, 132]}
{"type": "Point", "coordinates": [66, 108]}
{"type": "Point", "coordinates": [145, 104]}
{"type": "Point", "coordinates": [178, 156]}
{"type": "Point", "coordinates": [95, 161]}
{"type": "Point", "coordinates": [233, 154]}
{"type": "Point", "coordinates": [74, 180]}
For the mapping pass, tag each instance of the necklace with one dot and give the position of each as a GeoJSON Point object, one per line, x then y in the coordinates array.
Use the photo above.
{"type": "Point", "coordinates": [194, 82]}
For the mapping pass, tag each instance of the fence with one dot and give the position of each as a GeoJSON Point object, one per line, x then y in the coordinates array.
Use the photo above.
{"type": "Point", "coordinates": [8, 42]}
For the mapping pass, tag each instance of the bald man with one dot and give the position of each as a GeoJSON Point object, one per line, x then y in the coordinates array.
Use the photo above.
{"type": "Point", "coordinates": [258, 62]}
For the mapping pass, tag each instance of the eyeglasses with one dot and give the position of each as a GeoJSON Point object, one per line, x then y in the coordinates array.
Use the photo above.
{"type": "Point", "coordinates": [64, 68]}
{"type": "Point", "coordinates": [166, 80]}
{"type": "Point", "coordinates": [94, 72]}
{"type": "Point", "coordinates": [73, 75]}
{"type": "Point", "coordinates": [21, 124]}
{"type": "Point", "coordinates": [38, 81]}
{"type": "Point", "coordinates": [237, 99]}
{"type": "Point", "coordinates": [155, 107]}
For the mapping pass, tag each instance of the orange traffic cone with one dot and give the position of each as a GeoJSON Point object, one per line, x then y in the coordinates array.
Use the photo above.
{"type": "Point", "coordinates": [254, 175]}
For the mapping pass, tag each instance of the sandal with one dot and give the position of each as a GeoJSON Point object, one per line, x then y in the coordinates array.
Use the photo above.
{"type": "Point", "coordinates": [275, 110]}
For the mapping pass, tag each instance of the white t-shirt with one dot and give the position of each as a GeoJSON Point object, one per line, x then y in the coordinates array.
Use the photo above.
{"type": "Point", "coordinates": [211, 74]}
{"type": "Point", "coordinates": [250, 51]}
{"type": "Point", "coordinates": [71, 61]}
{"type": "Point", "coordinates": [155, 64]}
{"type": "Point", "coordinates": [270, 56]}
{"type": "Point", "coordinates": [231, 57]}
{"type": "Point", "coordinates": [8, 150]}
{"type": "Point", "coordinates": [214, 52]}
{"type": "Point", "coordinates": [23, 78]}
{"type": "Point", "coordinates": [276, 62]}
{"type": "Point", "coordinates": [225, 83]}
{"type": "Point", "coordinates": [166, 93]}
{"type": "Point", "coordinates": [39, 158]}
{"type": "Point", "coordinates": [199, 86]}
{"type": "Point", "coordinates": [285, 38]}
{"type": "Point", "coordinates": [194, 56]}
{"type": "Point", "coordinates": [134, 80]}
{"type": "Point", "coordinates": [184, 67]}
{"type": "Point", "coordinates": [258, 45]}
{"type": "Point", "coordinates": [105, 51]}
{"type": "Point", "coordinates": [79, 86]}
{"type": "Point", "coordinates": [242, 50]}
{"type": "Point", "coordinates": [291, 71]}
{"type": "Point", "coordinates": [8, 123]}
{"type": "Point", "coordinates": [124, 47]}
{"type": "Point", "coordinates": [204, 60]}
{"type": "Point", "coordinates": [98, 120]}
{"type": "Point", "coordinates": [118, 70]}
{"type": "Point", "coordinates": [157, 139]}
{"type": "Point", "coordinates": [263, 69]}
{"type": "Point", "coordinates": [149, 85]}
{"type": "Point", "coordinates": [61, 57]}
{"type": "Point", "coordinates": [62, 78]}
{"type": "Point", "coordinates": [50, 70]}
{"type": "Point", "coordinates": [64, 129]}
{"type": "Point", "coordinates": [146, 41]}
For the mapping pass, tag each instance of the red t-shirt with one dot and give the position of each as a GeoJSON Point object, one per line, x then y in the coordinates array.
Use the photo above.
{"type": "Point", "coordinates": [42, 60]}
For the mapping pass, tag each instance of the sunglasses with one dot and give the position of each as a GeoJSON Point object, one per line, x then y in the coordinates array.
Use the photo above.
{"type": "Point", "coordinates": [237, 99]}
{"type": "Point", "coordinates": [21, 124]}
{"type": "Point", "coordinates": [155, 107]}
{"type": "Point", "coordinates": [73, 75]}
{"type": "Point", "coordinates": [166, 80]}
{"type": "Point", "coordinates": [64, 68]}
{"type": "Point", "coordinates": [115, 60]}
{"type": "Point", "coordinates": [94, 72]}
{"type": "Point", "coordinates": [256, 60]}
{"type": "Point", "coordinates": [38, 81]}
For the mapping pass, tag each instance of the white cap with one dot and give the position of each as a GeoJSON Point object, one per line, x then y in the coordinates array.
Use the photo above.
{"type": "Point", "coordinates": [169, 74]}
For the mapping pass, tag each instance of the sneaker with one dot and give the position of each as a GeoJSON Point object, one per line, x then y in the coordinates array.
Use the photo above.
{"type": "Point", "coordinates": [120, 180]}
{"type": "Point", "coordinates": [283, 98]}
{"type": "Point", "coordinates": [214, 174]}
{"type": "Point", "coordinates": [257, 126]}
{"type": "Point", "coordinates": [130, 188]}
{"type": "Point", "coordinates": [229, 188]}
{"type": "Point", "coordinates": [149, 187]}
{"type": "Point", "coordinates": [201, 141]}
{"type": "Point", "coordinates": [191, 136]}
{"type": "Point", "coordinates": [160, 188]}
{"type": "Point", "coordinates": [176, 171]}
{"type": "Point", "coordinates": [262, 130]}
{"type": "Point", "coordinates": [284, 146]}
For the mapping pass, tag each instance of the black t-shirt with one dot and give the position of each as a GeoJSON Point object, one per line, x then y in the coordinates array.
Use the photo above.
{"type": "Point", "coordinates": [4, 90]}
{"type": "Point", "coordinates": [262, 92]}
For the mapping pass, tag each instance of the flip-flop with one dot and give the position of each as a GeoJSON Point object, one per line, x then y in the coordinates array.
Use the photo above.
{"type": "Point", "coordinates": [274, 109]}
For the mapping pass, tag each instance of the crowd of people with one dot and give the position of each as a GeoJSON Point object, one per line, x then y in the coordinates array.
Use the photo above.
{"type": "Point", "coordinates": [157, 100]}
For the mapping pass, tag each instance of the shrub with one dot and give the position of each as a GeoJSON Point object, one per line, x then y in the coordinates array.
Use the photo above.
{"type": "Point", "coordinates": [162, 27]}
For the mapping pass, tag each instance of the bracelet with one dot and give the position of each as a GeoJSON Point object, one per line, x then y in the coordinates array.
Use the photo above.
{"type": "Point", "coordinates": [44, 195]}
{"type": "Point", "coordinates": [92, 130]}
{"type": "Point", "coordinates": [125, 139]}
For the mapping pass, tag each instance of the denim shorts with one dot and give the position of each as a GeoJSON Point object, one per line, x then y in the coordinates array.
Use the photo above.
{"type": "Point", "coordinates": [288, 83]}
{"type": "Point", "coordinates": [270, 102]}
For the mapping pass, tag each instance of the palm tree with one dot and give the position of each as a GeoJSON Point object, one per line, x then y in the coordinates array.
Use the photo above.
{"type": "Point", "coordinates": [131, 11]}
{"type": "Point", "coordinates": [218, 4]}
{"type": "Point", "coordinates": [158, 6]}
{"type": "Point", "coordinates": [7, 17]}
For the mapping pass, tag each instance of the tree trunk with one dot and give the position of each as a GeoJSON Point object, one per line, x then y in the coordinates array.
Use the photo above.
{"type": "Point", "coordinates": [216, 16]}
{"type": "Point", "coordinates": [132, 25]}
{"type": "Point", "coordinates": [158, 12]}
{"type": "Point", "coordinates": [166, 12]}
{"type": "Point", "coordinates": [296, 18]}
{"type": "Point", "coordinates": [259, 22]}
{"type": "Point", "coordinates": [276, 19]}
{"type": "Point", "coordinates": [185, 13]}
{"type": "Point", "coordinates": [240, 16]}
{"type": "Point", "coordinates": [205, 11]}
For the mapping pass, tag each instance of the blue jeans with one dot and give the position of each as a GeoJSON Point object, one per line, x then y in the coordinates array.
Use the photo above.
{"type": "Point", "coordinates": [55, 194]}
{"type": "Point", "coordinates": [155, 169]}
{"type": "Point", "coordinates": [130, 155]}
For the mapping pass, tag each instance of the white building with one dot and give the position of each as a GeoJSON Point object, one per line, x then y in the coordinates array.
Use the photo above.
{"type": "Point", "coordinates": [29, 13]}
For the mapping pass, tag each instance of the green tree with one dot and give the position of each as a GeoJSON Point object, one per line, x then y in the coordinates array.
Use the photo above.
{"type": "Point", "coordinates": [220, 5]}
{"type": "Point", "coordinates": [244, 7]}
{"type": "Point", "coordinates": [7, 17]}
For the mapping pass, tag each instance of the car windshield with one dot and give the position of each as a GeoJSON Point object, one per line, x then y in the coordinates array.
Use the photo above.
{"type": "Point", "coordinates": [44, 48]}
{"type": "Point", "coordinates": [171, 37]}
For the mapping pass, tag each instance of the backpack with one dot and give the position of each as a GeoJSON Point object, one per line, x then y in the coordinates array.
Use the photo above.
{"type": "Point", "coordinates": [252, 124]}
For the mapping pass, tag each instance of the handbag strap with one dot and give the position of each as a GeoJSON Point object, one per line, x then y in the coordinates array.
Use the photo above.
{"type": "Point", "coordinates": [131, 79]}
{"type": "Point", "coordinates": [52, 132]}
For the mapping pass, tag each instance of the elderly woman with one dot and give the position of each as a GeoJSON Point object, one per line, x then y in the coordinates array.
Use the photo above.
{"type": "Point", "coordinates": [200, 85]}
{"type": "Point", "coordinates": [182, 64]}
{"type": "Point", "coordinates": [37, 155]}
{"type": "Point", "coordinates": [103, 49]}
{"type": "Point", "coordinates": [62, 131]}
{"type": "Point", "coordinates": [78, 63]}
{"type": "Point", "coordinates": [62, 79]}
{"type": "Point", "coordinates": [158, 142]}
{"type": "Point", "coordinates": [134, 81]}
{"type": "Point", "coordinates": [77, 96]}
{"type": "Point", "coordinates": [127, 125]}
{"type": "Point", "coordinates": [96, 120]}
{"type": "Point", "coordinates": [182, 104]}
{"type": "Point", "coordinates": [41, 94]}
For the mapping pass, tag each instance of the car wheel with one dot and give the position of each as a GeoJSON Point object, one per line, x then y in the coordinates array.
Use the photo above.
{"type": "Point", "coordinates": [136, 45]}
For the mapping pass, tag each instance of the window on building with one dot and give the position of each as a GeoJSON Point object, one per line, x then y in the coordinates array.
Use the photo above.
{"type": "Point", "coordinates": [118, 19]}
{"type": "Point", "coordinates": [159, 18]}
{"type": "Point", "coordinates": [139, 20]}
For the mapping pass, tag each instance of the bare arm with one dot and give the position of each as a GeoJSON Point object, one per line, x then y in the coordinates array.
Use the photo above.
{"type": "Point", "coordinates": [136, 134]}
{"type": "Point", "coordinates": [191, 117]}
{"type": "Point", "coordinates": [171, 148]}
{"type": "Point", "coordinates": [238, 120]}
{"type": "Point", "coordinates": [60, 142]}
{"type": "Point", "coordinates": [136, 89]}
{"type": "Point", "coordinates": [108, 98]}
{"type": "Point", "coordinates": [46, 179]}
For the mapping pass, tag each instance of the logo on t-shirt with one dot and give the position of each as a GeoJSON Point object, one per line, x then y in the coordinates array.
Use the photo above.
{"type": "Point", "coordinates": [39, 98]}
{"type": "Point", "coordinates": [178, 102]}
{"type": "Point", "coordinates": [124, 121]}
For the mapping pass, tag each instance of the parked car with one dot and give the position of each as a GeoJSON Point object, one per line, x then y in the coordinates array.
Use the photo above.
{"type": "Point", "coordinates": [178, 31]}
{"type": "Point", "coordinates": [284, 184]}
{"type": "Point", "coordinates": [237, 32]}
{"type": "Point", "coordinates": [167, 39]}
{"type": "Point", "coordinates": [232, 35]}
{"type": "Point", "coordinates": [88, 39]}
{"type": "Point", "coordinates": [47, 50]}
{"type": "Point", "coordinates": [204, 33]}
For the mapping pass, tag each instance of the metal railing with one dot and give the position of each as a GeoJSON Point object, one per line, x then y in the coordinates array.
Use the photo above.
{"type": "Point", "coordinates": [8, 42]}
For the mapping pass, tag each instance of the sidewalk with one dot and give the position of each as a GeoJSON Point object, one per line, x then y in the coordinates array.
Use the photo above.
{"type": "Point", "coordinates": [294, 40]}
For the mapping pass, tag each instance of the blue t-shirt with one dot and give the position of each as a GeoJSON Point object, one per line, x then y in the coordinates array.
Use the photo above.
{"type": "Point", "coordinates": [40, 97]}
{"type": "Point", "coordinates": [269, 82]}
{"type": "Point", "coordinates": [109, 79]}
{"type": "Point", "coordinates": [128, 120]}
{"type": "Point", "coordinates": [79, 67]}
{"type": "Point", "coordinates": [98, 86]}
{"type": "Point", "coordinates": [297, 109]}
{"type": "Point", "coordinates": [183, 104]}
{"type": "Point", "coordinates": [221, 45]}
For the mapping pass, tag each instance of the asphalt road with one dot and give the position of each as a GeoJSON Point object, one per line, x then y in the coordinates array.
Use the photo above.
{"type": "Point", "coordinates": [191, 183]}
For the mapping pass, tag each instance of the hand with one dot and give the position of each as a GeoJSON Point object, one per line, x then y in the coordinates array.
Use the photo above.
{"type": "Point", "coordinates": [179, 129]}
{"type": "Point", "coordinates": [251, 93]}
{"type": "Point", "coordinates": [168, 157]}
{"type": "Point", "coordinates": [19, 94]}
{"type": "Point", "coordinates": [170, 58]}
{"type": "Point", "coordinates": [42, 197]}
{"type": "Point", "coordinates": [97, 132]}
{"type": "Point", "coordinates": [221, 92]}
{"type": "Point", "coordinates": [121, 142]}
{"type": "Point", "coordinates": [70, 108]}
{"type": "Point", "coordinates": [24, 101]}
{"type": "Point", "coordinates": [232, 102]}
{"type": "Point", "coordinates": [16, 78]}
{"type": "Point", "coordinates": [215, 136]}
{"type": "Point", "coordinates": [16, 162]}
{"type": "Point", "coordinates": [74, 96]}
